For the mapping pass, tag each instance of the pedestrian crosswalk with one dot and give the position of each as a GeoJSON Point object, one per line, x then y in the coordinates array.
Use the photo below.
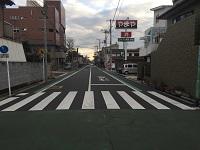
{"type": "Point", "coordinates": [90, 101]}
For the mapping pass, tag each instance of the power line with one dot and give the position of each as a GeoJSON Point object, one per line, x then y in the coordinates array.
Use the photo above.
{"type": "Point", "coordinates": [116, 10]}
{"type": "Point", "coordinates": [120, 8]}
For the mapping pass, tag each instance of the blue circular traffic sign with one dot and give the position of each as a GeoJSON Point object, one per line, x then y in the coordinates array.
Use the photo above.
{"type": "Point", "coordinates": [4, 49]}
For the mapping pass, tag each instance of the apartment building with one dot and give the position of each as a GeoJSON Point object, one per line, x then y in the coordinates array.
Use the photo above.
{"type": "Point", "coordinates": [28, 28]}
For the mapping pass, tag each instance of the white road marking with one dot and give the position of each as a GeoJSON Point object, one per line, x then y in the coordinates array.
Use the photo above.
{"type": "Point", "coordinates": [128, 85]}
{"type": "Point", "coordinates": [107, 84]}
{"type": "Point", "coordinates": [134, 104]}
{"type": "Point", "coordinates": [150, 100]}
{"type": "Point", "coordinates": [67, 101]}
{"type": "Point", "coordinates": [109, 100]}
{"type": "Point", "coordinates": [171, 101]}
{"type": "Point", "coordinates": [8, 100]}
{"type": "Point", "coordinates": [88, 102]}
{"type": "Point", "coordinates": [89, 83]}
{"type": "Point", "coordinates": [23, 102]}
{"type": "Point", "coordinates": [22, 94]}
{"type": "Point", "coordinates": [41, 105]}
{"type": "Point", "coordinates": [47, 87]}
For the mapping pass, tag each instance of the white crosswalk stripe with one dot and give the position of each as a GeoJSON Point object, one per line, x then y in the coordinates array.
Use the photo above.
{"type": "Point", "coordinates": [171, 101]}
{"type": "Point", "coordinates": [88, 102]}
{"type": "Point", "coordinates": [150, 100]}
{"type": "Point", "coordinates": [109, 100]}
{"type": "Point", "coordinates": [22, 94]}
{"type": "Point", "coordinates": [8, 100]}
{"type": "Point", "coordinates": [41, 105]}
{"type": "Point", "coordinates": [67, 101]}
{"type": "Point", "coordinates": [134, 104]}
{"type": "Point", "coordinates": [23, 102]}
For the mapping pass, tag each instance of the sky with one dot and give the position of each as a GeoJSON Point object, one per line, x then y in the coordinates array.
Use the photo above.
{"type": "Point", "coordinates": [86, 18]}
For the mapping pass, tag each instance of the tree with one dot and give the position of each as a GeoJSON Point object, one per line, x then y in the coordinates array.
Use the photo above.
{"type": "Point", "coordinates": [70, 44]}
{"type": "Point", "coordinates": [3, 4]}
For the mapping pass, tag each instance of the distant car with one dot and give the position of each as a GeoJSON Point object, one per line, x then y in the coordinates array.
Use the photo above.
{"type": "Point", "coordinates": [68, 66]}
{"type": "Point", "coordinates": [130, 68]}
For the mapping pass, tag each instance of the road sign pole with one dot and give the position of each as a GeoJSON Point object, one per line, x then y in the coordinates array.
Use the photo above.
{"type": "Point", "coordinates": [43, 68]}
{"type": "Point", "coordinates": [125, 50]}
{"type": "Point", "coordinates": [8, 73]}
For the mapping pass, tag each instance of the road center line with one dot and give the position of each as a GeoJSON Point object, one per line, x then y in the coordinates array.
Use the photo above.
{"type": "Point", "coordinates": [90, 76]}
{"type": "Point", "coordinates": [107, 84]}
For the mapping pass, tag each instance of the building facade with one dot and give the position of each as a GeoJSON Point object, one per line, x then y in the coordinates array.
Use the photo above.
{"type": "Point", "coordinates": [118, 57]}
{"type": "Point", "coordinates": [28, 28]}
{"type": "Point", "coordinates": [154, 35]}
{"type": "Point", "coordinates": [174, 65]}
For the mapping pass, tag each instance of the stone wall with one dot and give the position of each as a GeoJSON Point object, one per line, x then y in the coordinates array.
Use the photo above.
{"type": "Point", "coordinates": [20, 73]}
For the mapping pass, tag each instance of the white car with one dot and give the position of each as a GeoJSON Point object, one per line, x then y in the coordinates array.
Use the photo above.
{"type": "Point", "coordinates": [130, 68]}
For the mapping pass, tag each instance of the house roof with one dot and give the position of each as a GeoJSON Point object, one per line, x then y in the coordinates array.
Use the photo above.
{"type": "Point", "coordinates": [160, 7]}
{"type": "Point", "coordinates": [176, 8]}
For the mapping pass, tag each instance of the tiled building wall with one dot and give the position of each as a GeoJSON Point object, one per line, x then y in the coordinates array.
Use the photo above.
{"type": "Point", "coordinates": [175, 62]}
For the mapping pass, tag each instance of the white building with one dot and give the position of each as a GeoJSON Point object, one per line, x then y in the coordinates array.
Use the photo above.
{"type": "Point", "coordinates": [153, 35]}
{"type": "Point", "coordinates": [16, 51]}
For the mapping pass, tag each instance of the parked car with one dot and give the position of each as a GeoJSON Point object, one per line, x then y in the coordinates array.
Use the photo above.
{"type": "Point", "coordinates": [68, 66]}
{"type": "Point", "coordinates": [130, 68]}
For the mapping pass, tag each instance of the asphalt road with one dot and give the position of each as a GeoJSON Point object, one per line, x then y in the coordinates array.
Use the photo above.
{"type": "Point", "coordinates": [94, 109]}
{"type": "Point", "coordinates": [90, 89]}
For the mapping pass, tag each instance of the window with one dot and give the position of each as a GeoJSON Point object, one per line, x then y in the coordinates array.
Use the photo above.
{"type": "Point", "coordinates": [51, 30]}
{"type": "Point", "coordinates": [157, 20]}
{"type": "Point", "coordinates": [16, 18]}
{"type": "Point", "coordinates": [135, 66]}
{"type": "Point", "coordinates": [136, 54]}
{"type": "Point", "coordinates": [16, 30]}
{"type": "Point", "coordinates": [118, 55]}
{"type": "Point", "coordinates": [114, 55]}
{"type": "Point", "coordinates": [129, 66]}
{"type": "Point", "coordinates": [182, 17]}
{"type": "Point", "coordinates": [130, 54]}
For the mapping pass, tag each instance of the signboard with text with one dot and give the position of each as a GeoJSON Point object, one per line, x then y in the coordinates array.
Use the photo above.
{"type": "Point", "coordinates": [126, 39]}
{"type": "Point", "coordinates": [4, 55]}
{"type": "Point", "coordinates": [126, 34]}
{"type": "Point", "coordinates": [4, 52]}
{"type": "Point", "coordinates": [126, 24]}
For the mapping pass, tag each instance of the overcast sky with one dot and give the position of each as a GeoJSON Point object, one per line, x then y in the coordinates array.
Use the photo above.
{"type": "Point", "coordinates": [86, 18]}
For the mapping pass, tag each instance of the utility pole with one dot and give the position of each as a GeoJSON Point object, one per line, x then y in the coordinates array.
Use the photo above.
{"type": "Point", "coordinates": [111, 43]}
{"type": "Point", "coordinates": [125, 46]}
{"type": "Point", "coordinates": [110, 31]}
{"type": "Point", "coordinates": [44, 11]}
